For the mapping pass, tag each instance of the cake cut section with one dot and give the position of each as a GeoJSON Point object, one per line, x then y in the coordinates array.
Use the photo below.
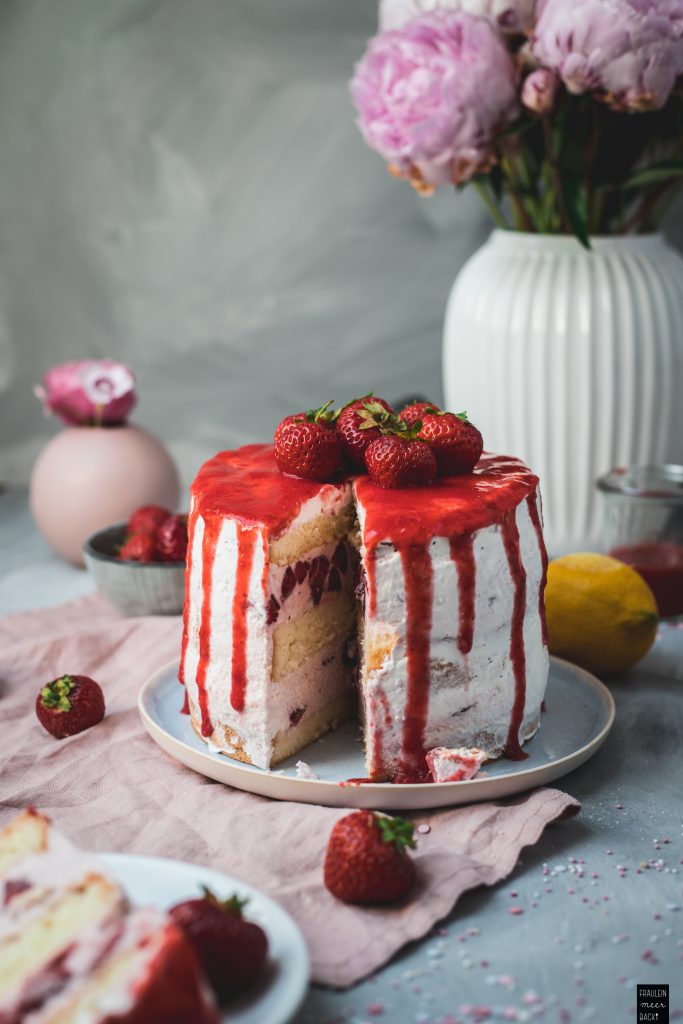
{"type": "Point", "coordinates": [269, 647]}
{"type": "Point", "coordinates": [71, 950]}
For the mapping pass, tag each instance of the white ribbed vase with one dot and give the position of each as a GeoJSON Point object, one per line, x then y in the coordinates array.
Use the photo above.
{"type": "Point", "coordinates": [572, 360]}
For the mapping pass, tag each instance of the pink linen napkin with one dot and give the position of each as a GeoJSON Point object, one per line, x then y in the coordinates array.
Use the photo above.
{"type": "Point", "coordinates": [112, 788]}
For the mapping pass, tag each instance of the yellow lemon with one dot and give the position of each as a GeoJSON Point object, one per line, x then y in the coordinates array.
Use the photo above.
{"type": "Point", "coordinates": [601, 613]}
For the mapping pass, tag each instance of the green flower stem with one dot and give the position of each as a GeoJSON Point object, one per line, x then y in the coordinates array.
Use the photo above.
{"type": "Point", "coordinates": [491, 204]}
{"type": "Point", "coordinates": [555, 176]}
{"type": "Point", "coordinates": [522, 218]}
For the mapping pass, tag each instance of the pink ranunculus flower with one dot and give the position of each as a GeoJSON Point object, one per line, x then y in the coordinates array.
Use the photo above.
{"type": "Point", "coordinates": [88, 392]}
{"type": "Point", "coordinates": [539, 91]}
{"type": "Point", "coordinates": [431, 96]}
{"type": "Point", "coordinates": [512, 16]}
{"type": "Point", "coordinates": [629, 52]}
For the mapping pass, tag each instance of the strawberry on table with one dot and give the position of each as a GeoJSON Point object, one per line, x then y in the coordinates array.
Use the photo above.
{"type": "Point", "coordinates": [171, 539]}
{"type": "Point", "coordinates": [413, 413]}
{"type": "Point", "coordinates": [360, 423]}
{"type": "Point", "coordinates": [400, 460]}
{"type": "Point", "coordinates": [69, 705]}
{"type": "Point", "coordinates": [231, 949]}
{"type": "Point", "coordinates": [456, 442]}
{"type": "Point", "coordinates": [306, 444]}
{"type": "Point", "coordinates": [367, 861]}
{"type": "Point", "coordinates": [147, 519]}
{"type": "Point", "coordinates": [141, 547]}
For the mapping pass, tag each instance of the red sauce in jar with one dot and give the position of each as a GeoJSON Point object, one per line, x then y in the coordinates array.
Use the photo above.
{"type": "Point", "coordinates": [660, 563]}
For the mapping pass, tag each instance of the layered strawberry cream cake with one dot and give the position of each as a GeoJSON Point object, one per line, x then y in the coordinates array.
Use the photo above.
{"type": "Point", "coordinates": [73, 952]}
{"type": "Point", "coordinates": [412, 593]}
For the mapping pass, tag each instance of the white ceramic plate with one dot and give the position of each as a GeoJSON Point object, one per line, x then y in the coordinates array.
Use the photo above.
{"type": "Point", "coordinates": [579, 714]}
{"type": "Point", "coordinates": [157, 882]}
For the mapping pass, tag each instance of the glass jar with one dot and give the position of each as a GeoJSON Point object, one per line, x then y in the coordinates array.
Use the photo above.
{"type": "Point", "coordinates": [643, 526]}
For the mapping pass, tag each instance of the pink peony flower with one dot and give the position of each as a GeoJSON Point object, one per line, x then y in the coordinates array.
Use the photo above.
{"type": "Point", "coordinates": [539, 90]}
{"type": "Point", "coordinates": [628, 51]}
{"type": "Point", "coordinates": [512, 16]}
{"type": "Point", "coordinates": [88, 392]}
{"type": "Point", "coordinates": [431, 96]}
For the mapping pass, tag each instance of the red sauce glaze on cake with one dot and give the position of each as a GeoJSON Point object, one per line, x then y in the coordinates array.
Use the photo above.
{"type": "Point", "coordinates": [417, 572]}
{"type": "Point", "coordinates": [246, 543]}
{"type": "Point", "coordinates": [513, 749]}
{"type": "Point", "coordinates": [212, 528]}
{"type": "Point", "coordinates": [462, 553]}
{"type": "Point", "coordinates": [186, 604]}
{"type": "Point", "coordinates": [455, 507]}
{"type": "Point", "coordinates": [247, 485]}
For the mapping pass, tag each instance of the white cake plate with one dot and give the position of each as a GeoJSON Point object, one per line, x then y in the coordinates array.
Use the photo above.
{"type": "Point", "coordinates": [161, 883]}
{"type": "Point", "coordinates": [579, 715]}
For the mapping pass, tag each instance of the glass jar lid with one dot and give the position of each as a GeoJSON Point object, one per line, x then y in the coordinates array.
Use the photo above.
{"type": "Point", "coordinates": [663, 484]}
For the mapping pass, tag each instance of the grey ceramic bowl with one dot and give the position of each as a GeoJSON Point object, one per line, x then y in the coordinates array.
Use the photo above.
{"type": "Point", "coordinates": [136, 588]}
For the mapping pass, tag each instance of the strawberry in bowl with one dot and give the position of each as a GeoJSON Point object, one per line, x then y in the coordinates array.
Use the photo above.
{"type": "Point", "coordinates": [140, 565]}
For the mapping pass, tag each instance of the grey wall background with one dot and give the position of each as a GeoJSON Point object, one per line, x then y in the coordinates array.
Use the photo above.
{"type": "Point", "coordinates": [182, 186]}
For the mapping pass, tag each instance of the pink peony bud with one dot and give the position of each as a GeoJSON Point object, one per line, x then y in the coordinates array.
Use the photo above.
{"type": "Point", "coordinates": [629, 52]}
{"type": "Point", "coordinates": [88, 392]}
{"type": "Point", "coordinates": [539, 90]}
{"type": "Point", "coordinates": [431, 96]}
{"type": "Point", "coordinates": [511, 16]}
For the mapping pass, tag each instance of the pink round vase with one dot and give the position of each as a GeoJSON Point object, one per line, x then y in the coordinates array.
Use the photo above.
{"type": "Point", "coordinates": [87, 478]}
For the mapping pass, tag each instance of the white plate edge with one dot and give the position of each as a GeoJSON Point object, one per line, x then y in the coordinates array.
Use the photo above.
{"type": "Point", "coordinates": [112, 858]}
{"type": "Point", "coordinates": [575, 758]}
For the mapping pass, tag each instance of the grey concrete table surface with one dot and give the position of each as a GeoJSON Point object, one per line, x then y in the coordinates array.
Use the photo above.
{"type": "Point", "coordinates": [601, 895]}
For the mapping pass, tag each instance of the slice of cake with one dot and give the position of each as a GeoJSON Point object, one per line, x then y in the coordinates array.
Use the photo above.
{"type": "Point", "coordinates": [71, 952]}
{"type": "Point", "coordinates": [453, 626]}
{"type": "Point", "coordinates": [450, 621]}
{"type": "Point", "coordinates": [270, 615]}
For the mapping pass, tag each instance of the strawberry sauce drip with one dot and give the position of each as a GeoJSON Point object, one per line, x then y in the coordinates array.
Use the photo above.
{"type": "Point", "coordinates": [532, 504]}
{"type": "Point", "coordinates": [371, 581]}
{"type": "Point", "coordinates": [246, 542]}
{"type": "Point", "coordinates": [417, 574]}
{"type": "Point", "coordinates": [462, 554]}
{"type": "Point", "coordinates": [212, 529]}
{"type": "Point", "coordinates": [510, 533]}
{"type": "Point", "coordinates": [186, 605]}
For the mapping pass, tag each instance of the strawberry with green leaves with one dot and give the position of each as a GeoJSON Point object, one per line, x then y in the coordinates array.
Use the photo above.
{"type": "Point", "coordinates": [413, 413]}
{"type": "Point", "coordinates": [231, 949]}
{"type": "Point", "coordinates": [307, 445]}
{"type": "Point", "coordinates": [455, 441]}
{"type": "Point", "coordinates": [360, 423]}
{"type": "Point", "coordinates": [69, 705]}
{"type": "Point", "coordinates": [401, 459]}
{"type": "Point", "coordinates": [367, 860]}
